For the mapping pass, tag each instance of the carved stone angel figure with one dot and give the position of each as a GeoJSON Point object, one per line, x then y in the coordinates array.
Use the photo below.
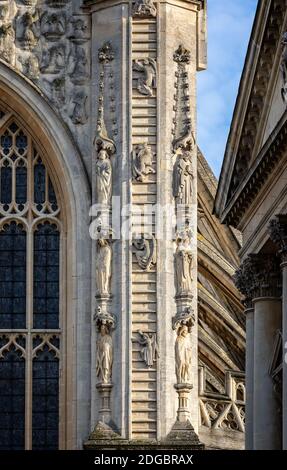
{"type": "Point", "coordinates": [183, 355]}
{"type": "Point", "coordinates": [103, 267]}
{"type": "Point", "coordinates": [144, 8]}
{"type": "Point", "coordinates": [149, 351]}
{"type": "Point", "coordinates": [145, 251]}
{"type": "Point", "coordinates": [183, 178]}
{"type": "Point", "coordinates": [104, 354]}
{"type": "Point", "coordinates": [147, 78]}
{"type": "Point", "coordinates": [30, 32]}
{"type": "Point", "coordinates": [142, 162]}
{"type": "Point", "coordinates": [183, 265]}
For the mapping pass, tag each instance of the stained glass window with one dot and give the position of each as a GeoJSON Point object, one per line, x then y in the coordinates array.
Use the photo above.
{"type": "Point", "coordinates": [29, 295]}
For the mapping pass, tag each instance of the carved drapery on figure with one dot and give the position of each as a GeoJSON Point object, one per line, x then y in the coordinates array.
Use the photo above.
{"type": "Point", "coordinates": [103, 267]}
{"type": "Point", "coordinates": [182, 324]}
{"type": "Point", "coordinates": [183, 178]}
{"type": "Point", "coordinates": [145, 251]}
{"type": "Point", "coordinates": [144, 9]}
{"type": "Point", "coordinates": [104, 351]}
{"type": "Point", "coordinates": [142, 162]}
{"type": "Point", "coordinates": [146, 80]}
{"type": "Point", "coordinates": [149, 351]}
{"type": "Point", "coordinates": [183, 260]}
{"type": "Point", "coordinates": [284, 68]}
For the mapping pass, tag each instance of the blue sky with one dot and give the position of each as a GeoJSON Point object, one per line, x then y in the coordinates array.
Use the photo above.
{"type": "Point", "coordinates": [229, 27]}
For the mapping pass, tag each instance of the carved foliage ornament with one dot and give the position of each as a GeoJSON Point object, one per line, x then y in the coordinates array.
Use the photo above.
{"type": "Point", "coordinates": [259, 276]}
{"type": "Point", "coordinates": [182, 129]}
{"type": "Point", "coordinates": [278, 234]}
{"type": "Point", "coordinates": [144, 9]}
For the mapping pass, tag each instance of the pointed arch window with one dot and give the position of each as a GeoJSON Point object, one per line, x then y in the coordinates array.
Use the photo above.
{"type": "Point", "coordinates": [30, 301]}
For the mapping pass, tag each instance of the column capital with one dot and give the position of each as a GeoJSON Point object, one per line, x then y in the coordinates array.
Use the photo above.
{"type": "Point", "coordinates": [259, 276]}
{"type": "Point", "coordinates": [278, 233]}
{"type": "Point", "coordinates": [244, 281]}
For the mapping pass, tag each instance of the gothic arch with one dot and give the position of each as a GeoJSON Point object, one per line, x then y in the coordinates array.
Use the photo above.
{"type": "Point", "coordinates": [69, 178]}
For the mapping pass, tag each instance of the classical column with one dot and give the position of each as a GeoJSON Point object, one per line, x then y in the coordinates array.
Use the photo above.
{"type": "Point", "coordinates": [244, 282]}
{"type": "Point", "coordinates": [278, 234]}
{"type": "Point", "coordinates": [267, 321]}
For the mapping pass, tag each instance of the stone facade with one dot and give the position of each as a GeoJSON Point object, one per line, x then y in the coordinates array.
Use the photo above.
{"type": "Point", "coordinates": [252, 197]}
{"type": "Point", "coordinates": [106, 92]}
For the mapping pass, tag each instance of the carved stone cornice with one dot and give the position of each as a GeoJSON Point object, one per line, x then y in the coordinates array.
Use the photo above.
{"type": "Point", "coordinates": [278, 234]}
{"type": "Point", "coordinates": [271, 38]}
{"type": "Point", "coordinates": [259, 276]}
{"type": "Point", "coordinates": [270, 155]}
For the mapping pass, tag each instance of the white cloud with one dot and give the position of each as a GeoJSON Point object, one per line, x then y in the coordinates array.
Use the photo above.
{"type": "Point", "coordinates": [229, 27]}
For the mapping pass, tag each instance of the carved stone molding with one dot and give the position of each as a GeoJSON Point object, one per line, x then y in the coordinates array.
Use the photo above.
{"type": "Point", "coordinates": [145, 251]}
{"type": "Point", "coordinates": [259, 92]}
{"type": "Point", "coordinates": [268, 158]}
{"type": "Point", "coordinates": [278, 234]}
{"type": "Point", "coordinates": [144, 9]}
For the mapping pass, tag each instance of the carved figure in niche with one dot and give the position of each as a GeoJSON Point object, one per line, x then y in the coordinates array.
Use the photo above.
{"type": "Point", "coordinates": [53, 59]}
{"type": "Point", "coordinates": [7, 35]}
{"type": "Point", "coordinates": [284, 68]}
{"type": "Point", "coordinates": [103, 177]}
{"type": "Point", "coordinates": [183, 355]}
{"type": "Point", "coordinates": [147, 79]}
{"type": "Point", "coordinates": [105, 148]}
{"type": "Point", "coordinates": [144, 8]}
{"type": "Point", "coordinates": [80, 30]}
{"type": "Point", "coordinates": [103, 267]}
{"type": "Point", "coordinates": [79, 62]}
{"type": "Point", "coordinates": [142, 162]}
{"type": "Point", "coordinates": [79, 114]}
{"type": "Point", "coordinates": [145, 251]}
{"type": "Point", "coordinates": [183, 178]}
{"type": "Point", "coordinates": [183, 264]}
{"type": "Point", "coordinates": [104, 354]}
{"type": "Point", "coordinates": [53, 26]}
{"type": "Point", "coordinates": [149, 352]}
{"type": "Point", "coordinates": [29, 36]}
